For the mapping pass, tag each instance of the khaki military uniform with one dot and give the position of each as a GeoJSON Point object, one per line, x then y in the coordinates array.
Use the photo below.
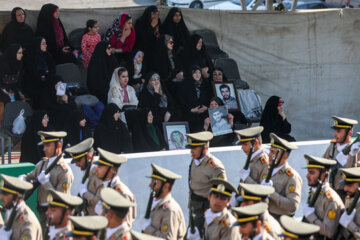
{"type": "Point", "coordinates": [92, 196]}
{"type": "Point", "coordinates": [328, 209]}
{"type": "Point", "coordinates": [62, 234]}
{"type": "Point", "coordinates": [222, 228]}
{"type": "Point", "coordinates": [25, 226]}
{"type": "Point", "coordinates": [352, 161]}
{"type": "Point", "coordinates": [210, 167]}
{"type": "Point", "coordinates": [272, 226]}
{"type": "Point", "coordinates": [258, 167]}
{"type": "Point", "coordinates": [1, 221]}
{"type": "Point", "coordinates": [61, 179]}
{"type": "Point", "coordinates": [167, 220]}
{"type": "Point", "coordinates": [266, 236]}
{"type": "Point", "coordinates": [354, 226]}
{"type": "Point", "coordinates": [122, 233]}
{"type": "Point", "coordinates": [287, 196]}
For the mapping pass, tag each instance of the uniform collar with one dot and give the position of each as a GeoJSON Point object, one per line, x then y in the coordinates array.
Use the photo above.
{"type": "Point", "coordinates": [340, 147]}
{"type": "Point", "coordinates": [54, 231]}
{"type": "Point", "coordinates": [258, 237]}
{"type": "Point", "coordinates": [255, 154]}
{"type": "Point", "coordinates": [8, 213]}
{"type": "Point", "coordinates": [282, 167]}
{"type": "Point", "coordinates": [160, 202]}
{"type": "Point", "coordinates": [210, 216]}
{"type": "Point", "coordinates": [113, 181]}
{"type": "Point", "coordinates": [198, 161]}
{"type": "Point", "coordinates": [121, 228]}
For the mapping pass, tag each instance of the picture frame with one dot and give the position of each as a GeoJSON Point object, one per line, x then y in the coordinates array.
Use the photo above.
{"type": "Point", "coordinates": [219, 121]}
{"type": "Point", "coordinates": [175, 134]}
{"type": "Point", "coordinates": [223, 89]}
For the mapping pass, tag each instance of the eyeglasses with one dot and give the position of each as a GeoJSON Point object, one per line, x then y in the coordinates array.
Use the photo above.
{"type": "Point", "coordinates": [108, 47]}
{"type": "Point", "coordinates": [171, 42]}
{"type": "Point", "coordinates": [217, 74]}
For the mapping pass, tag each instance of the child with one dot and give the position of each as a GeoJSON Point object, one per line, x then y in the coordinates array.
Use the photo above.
{"type": "Point", "coordinates": [89, 40]}
{"type": "Point", "coordinates": [137, 79]}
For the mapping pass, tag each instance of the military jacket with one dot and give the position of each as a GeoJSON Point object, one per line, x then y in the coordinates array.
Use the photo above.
{"type": "Point", "coordinates": [272, 226]}
{"type": "Point", "coordinates": [258, 167]}
{"type": "Point", "coordinates": [287, 196]}
{"type": "Point", "coordinates": [328, 209]}
{"type": "Point", "coordinates": [354, 226]}
{"type": "Point", "coordinates": [352, 161]}
{"type": "Point", "coordinates": [25, 226]}
{"type": "Point", "coordinates": [210, 167]}
{"type": "Point", "coordinates": [62, 234]}
{"type": "Point", "coordinates": [265, 236]}
{"type": "Point", "coordinates": [92, 196]}
{"type": "Point", "coordinates": [167, 220]}
{"type": "Point", "coordinates": [61, 179]}
{"type": "Point", "coordinates": [222, 228]}
{"type": "Point", "coordinates": [122, 233]}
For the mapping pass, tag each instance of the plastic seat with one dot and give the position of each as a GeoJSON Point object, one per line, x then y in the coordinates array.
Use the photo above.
{"type": "Point", "coordinates": [212, 45]}
{"type": "Point", "coordinates": [11, 111]}
{"type": "Point", "coordinates": [70, 74]}
{"type": "Point", "coordinates": [250, 105]}
{"type": "Point", "coordinates": [75, 38]}
{"type": "Point", "coordinates": [231, 71]}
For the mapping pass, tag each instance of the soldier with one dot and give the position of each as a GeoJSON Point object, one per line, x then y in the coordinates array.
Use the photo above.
{"type": "Point", "coordinates": [286, 181]}
{"type": "Point", "coordinates": [24, 225]}
{"type": "Point", "coordinates": [351, 221]}
{"type": "Point", "coordinates": [255, 193]}
{"type": "Point", "coordinates": [250, 220]}
{"type": "Point", "coordinates": [251, 138]}
{"type": "Point", "coordinates": [87, 227]}
{"type": "Point", "coordinates": [203, 167]}
{"type": "Point", "coordinates": [328, 205]}
{"type": "Point", "coordinates": [343, 128]}
{"type": "Point", "coordinates": [105, 174]}
{"type": "Point", "coordinates": [115, 209]}
{"type": "Point", "coordinates": [60, 208]}
{"type": "Point", "coordinates": [219, 221]}
{"type": "Point", "coordinates": [82, 153]}
{"type": "Point", "coordinates": [166, 218]}
{"type": "Point", "coordinates": [60, 178]}
{"type": "Point", "coordinates": [297, 230]}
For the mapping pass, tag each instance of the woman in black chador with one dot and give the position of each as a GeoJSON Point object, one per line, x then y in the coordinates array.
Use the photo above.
{"type": "Point", "coordinates": [274, 120]}
{"type": "Point", "coordinates": [101, 67]}
{"type": "Point", "coordinates": [112, 134]}
{"type": "Point", "coordinates": [51, 28]}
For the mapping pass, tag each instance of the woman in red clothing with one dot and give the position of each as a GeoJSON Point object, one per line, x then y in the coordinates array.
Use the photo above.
{"type": "Point", "coordinates": [121, 36]}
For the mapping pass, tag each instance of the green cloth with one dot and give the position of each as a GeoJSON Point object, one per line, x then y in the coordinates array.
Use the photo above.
{"type": "Point", "coordinates": [152, 132]}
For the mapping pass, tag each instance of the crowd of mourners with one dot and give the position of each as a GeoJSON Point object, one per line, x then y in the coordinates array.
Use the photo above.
{"type": "Point", "coordinates": [144, 72]}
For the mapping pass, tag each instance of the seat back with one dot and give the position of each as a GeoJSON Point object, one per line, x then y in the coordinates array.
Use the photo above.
{"type": "Point", "coordinates": [250, 104]}
{"type": "Point", "coordinates": [87, 99]}
{"type": "Point", "coordinates": [70, 73]}
{"type": "Point", "coordinates": [231, 71]}
{"type": "Point", "coordinates": [209, 38]}
{"type": "Point", "coordinates": [12, 110]}
{"type": "Point", "coordinates": [75, 38]}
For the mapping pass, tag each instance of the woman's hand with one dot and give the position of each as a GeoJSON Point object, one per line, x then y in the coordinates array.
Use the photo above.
{"type": "Point", "coordinates": [206, 123]}
{"type": "Point", "coordinates": [126, 32]}
{"type": "Point", "coordinates": [180, 76]}
{"type": "Point", "coordinates": [205, 72]}
{"type": "Point", "coordinates": [203, 109]}
{"type": "Point", "coordinates": [195, 109]}
{"type": "Point", "coordinates": [66, 49]}
{"type": "Point", "coordinates": [22, 96]}
{"type": "Point", "coordinates": [65, 98]}
{"type": "Point", "coordinates": [116, 50]}
{"type": "Point", "coordinates": [231, 119]}
{"type": "Point", "coordinates": [167, 116]}
{"type": "Point", "coordinates": [281, 112]}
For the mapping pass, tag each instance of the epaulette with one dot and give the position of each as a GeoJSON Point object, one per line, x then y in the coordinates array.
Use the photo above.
{"type": "Point", "coordinates": [263, 160]}
{"type": "Point", "coordinates": [211, 163]}
{"type": "Point", "coordinates": [118, 189]}
{"type": "Point", "coordinates": [164, 206]}
{"type": "Point", "coordinates": [328, 194]}
{"type": "Point", "coordinates": [267, 226]}
{"type": "Point", "coordinates": [288, 172]}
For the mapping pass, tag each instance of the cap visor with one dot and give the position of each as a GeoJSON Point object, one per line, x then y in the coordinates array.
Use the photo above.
{"type": "Point", "coordinates": [75, 160]}
{"type": "Point", "coordinates": [70, 234]}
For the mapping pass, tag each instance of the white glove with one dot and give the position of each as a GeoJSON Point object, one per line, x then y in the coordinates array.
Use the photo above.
{"type": "Point", "coordinates": [144, 223]}
{"type": "Point", "coordinates": [264, 183]}
{"type": "Point", "coordinates": [99, 208]}
{"type": "Point", "coordinates": [5, 235]}
{"type": "Point", "coordinates": [233, 201]}
{"type": "Point", "coordinates": [83, 187]}
{"type": "Point", "coordinates": [42, 178]}
{"type": "Point", "coordinates": [345, 219]}
{"type": "Point", "coordinates": [195, 236]}
{"type": "Point", "coordinates": [355, 149]}
{"type": "Point", "coordinates": [22, 177]}
{"type": "Point", "coordinates": [307, 211]}
{"type": "Point", "coordinates": [341, 158]}
{"type": "Point", "coordinates": [244, 174]}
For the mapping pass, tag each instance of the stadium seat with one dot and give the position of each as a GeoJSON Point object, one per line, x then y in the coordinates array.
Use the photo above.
{"type": "Point", "coordinates": [75, 38]}
{"type": "Point", "coordinates": [231, 71]}
{"type": "Point", "coordinates": [70, 74]}
{"type": "Point", "coordinates": [250, 105]}
{"type": "Point", "coordinates": [212, 45]}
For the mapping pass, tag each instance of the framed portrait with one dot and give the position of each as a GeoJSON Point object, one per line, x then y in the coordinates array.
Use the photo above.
{"type": "Point", "coordinates": [219, 121]}
{"type": "Point", "coordinates": [226, 91]}
{"type": "Point", "coordinates": [175, 134]}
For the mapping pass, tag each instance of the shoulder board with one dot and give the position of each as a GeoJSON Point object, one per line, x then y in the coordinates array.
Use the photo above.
{"type": "Point", "coordinates": [211, 163]}
{"type": "Point", "coordinates": [288, 171]}
{"type": "Point", "coordinates": [63, 165]}
{"type": "Point", "coordinates": [118, 189]}
{"type": "Point", "coordinates": [267, 226]}
{"type": "Point", "coordinates": [263, 160]}
{"type": "Point", "coordinates": [328, 194]}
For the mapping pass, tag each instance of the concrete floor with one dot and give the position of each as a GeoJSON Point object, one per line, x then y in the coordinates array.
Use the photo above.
{"type": "Point", "coordinates": [6, 5]}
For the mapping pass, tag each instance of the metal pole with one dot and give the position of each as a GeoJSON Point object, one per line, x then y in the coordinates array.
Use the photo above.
{"type": "Point", "coordinates": [243, 5]}
{"type": "Point", "coordinates": [268, 5]}
{"type": "Point", "coordinates": [257, 4]}
{"type": "Point", "coordinates": [294, 5]}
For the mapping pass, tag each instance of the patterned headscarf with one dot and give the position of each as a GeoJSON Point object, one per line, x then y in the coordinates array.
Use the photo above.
{"type": "Point", "coordinates": [117, 27]}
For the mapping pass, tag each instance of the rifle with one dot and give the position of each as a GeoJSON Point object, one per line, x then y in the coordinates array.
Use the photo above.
{"type": "Point", "coordinates": [36, 183]}
{"type": "Point", "coordinates": [9, 223]}
{"type": "Point", "coordinates": [47, 231]}
{"type": "Point", "coordinates": [344, 233]}
{"type": "Point", "coordinates": [192, 220]}
{"type": "Point", "coordinates": [151, 198]}
{"type": "Point", "coordinates": [275, 162]}
{"type": "Point", "coordinates": [247, 163]}
{"type": "Point", "coordinates": [347, 149]}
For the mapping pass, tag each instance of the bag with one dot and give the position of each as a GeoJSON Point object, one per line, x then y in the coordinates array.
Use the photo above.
{"type": "Point", "coordinates": [19, 125]}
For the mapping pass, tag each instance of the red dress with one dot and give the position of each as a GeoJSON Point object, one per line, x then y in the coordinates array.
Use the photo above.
{"type": "Point", "coordinates": [128, 45]}
{"type": "Point", "coordinates": [88, 44]}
